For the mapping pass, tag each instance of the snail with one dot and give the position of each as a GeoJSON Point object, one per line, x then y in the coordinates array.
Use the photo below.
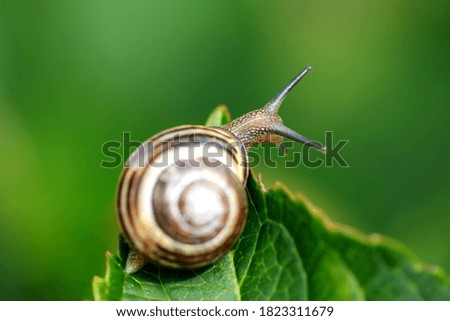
{"type": "Point", "coordinates": [181, 199]}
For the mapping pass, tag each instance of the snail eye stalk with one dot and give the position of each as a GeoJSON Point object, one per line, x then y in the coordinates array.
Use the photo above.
{"type": "Point", "coordinates": [256, 126]}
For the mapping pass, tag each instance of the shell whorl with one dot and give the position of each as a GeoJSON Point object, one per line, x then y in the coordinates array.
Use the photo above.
{"type": "Point", "coordinates": [179, 208]}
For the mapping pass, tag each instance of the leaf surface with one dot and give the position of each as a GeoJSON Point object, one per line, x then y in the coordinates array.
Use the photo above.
{"type": "Point", "coordinates": [288, 251]}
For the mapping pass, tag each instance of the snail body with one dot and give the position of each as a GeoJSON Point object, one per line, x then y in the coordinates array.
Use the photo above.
{"type": "Point", "coordinates": [181, 199]}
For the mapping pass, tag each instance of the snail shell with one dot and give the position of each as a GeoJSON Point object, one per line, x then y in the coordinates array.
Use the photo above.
{"type": "Point", "coordinates": [180, 208]}
{"type": "Point", "coordinates": [181, 199]}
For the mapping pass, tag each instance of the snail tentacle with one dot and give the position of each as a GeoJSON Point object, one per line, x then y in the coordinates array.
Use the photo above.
{"type": "Point", "coordinates": [264, 125]}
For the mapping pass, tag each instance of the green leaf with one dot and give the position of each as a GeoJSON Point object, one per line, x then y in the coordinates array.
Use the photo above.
{"type": "Point", "coordinates": [220, 116]}
{"type": "Point", "coordinates": [288, 251]}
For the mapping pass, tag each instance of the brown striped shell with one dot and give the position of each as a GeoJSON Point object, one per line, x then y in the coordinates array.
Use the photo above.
{"type": "Point", "coordinates": [181, 198]}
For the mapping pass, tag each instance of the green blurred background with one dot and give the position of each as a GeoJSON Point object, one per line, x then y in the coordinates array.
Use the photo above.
{"type": "Point", "coordinates": [75, 74]}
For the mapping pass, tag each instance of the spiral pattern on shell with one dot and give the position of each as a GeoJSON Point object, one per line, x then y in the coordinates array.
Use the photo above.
{"type": "Point", "coordinates": [181, 198]}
